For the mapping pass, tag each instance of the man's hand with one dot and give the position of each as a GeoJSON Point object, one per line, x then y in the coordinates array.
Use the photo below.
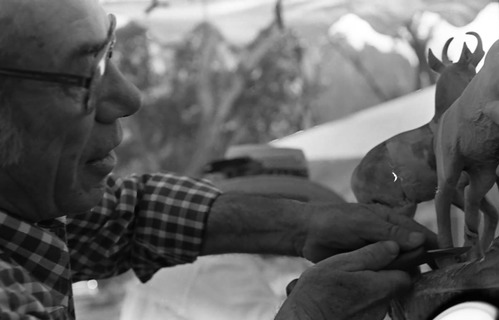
{"type": "Point", "coordinates": [345, 227]}
{"type": "Point", "coordinates": [349, 286]}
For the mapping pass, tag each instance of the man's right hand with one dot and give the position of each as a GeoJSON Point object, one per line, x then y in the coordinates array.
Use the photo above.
{"type": "Point", "coordinates": [348, 286]}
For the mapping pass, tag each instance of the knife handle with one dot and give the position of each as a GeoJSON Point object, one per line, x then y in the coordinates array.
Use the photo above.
{"type": "Point", "coordinates": [408, 260]}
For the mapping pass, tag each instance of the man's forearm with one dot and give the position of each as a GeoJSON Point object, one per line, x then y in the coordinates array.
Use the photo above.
{"type": "Point", "coordinates": [244, 223]}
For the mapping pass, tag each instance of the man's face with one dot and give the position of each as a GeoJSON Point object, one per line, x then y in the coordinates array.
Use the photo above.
{"type": "Point", "coordinates": [67, 151]}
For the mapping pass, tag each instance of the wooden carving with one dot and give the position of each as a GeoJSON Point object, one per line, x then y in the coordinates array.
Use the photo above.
{"type": "Point", "coordinates": [436, 290]}
{"type": "Point", "coordinates": [467, 140]}
{"type": "Point", "coordinates": [401, 171]}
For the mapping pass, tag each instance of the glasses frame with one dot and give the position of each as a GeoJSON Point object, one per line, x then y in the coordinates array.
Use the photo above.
{"type": "Point", "coordinates": [62, 78]}
{"type": "Point", "coordinates": [69, 79]}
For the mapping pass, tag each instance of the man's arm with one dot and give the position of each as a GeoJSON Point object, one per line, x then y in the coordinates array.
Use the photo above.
{"type": "Point", "coordinates": [153, 221]}
{"type": "Point", "coordinates": [256, 224]}
{"type": "Point", "coordinates": [144, 223]}
{"type": "Point", "coordinates": [244, 223]}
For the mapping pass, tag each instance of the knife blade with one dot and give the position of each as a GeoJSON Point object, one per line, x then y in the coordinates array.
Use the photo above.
{"type": "Point", "coordinates": [417, 257]}
{"type": "Point", "coordinates": [444, 257]}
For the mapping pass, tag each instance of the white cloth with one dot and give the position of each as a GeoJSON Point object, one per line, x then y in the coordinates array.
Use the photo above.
{"type": "Point", "coordinates": [222, 287]}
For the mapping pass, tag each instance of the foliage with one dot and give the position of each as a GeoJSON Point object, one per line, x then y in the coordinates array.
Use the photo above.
{"type": "Point", "coordinates": [401, 19]}
{"type": "Point", "coordinates": [182, 104]}
{"type": "Point", "coordinates": [271, 105]}
{"type": "Point", "coordinates": [205, 94]}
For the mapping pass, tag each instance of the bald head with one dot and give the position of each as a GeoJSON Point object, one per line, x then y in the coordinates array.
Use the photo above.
{"type": "Point", "coordinates": [37, 33]}
{"type": "Point", "coordinates": [41, 35]}
{"type": "Point", "coordinates": [10, 24]}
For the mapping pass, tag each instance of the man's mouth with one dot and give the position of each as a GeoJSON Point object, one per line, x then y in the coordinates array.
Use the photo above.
{"type": "Point", "coordinates": [103, 164]}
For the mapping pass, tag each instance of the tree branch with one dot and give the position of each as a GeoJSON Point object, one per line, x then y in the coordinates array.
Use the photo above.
{"type": "Point", "coordinates": [155, 4]}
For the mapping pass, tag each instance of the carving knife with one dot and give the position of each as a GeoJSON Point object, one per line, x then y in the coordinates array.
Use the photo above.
{"type": "Point", "coordinates": [433, 258]}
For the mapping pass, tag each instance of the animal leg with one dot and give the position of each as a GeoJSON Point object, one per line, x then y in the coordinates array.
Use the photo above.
{"type": "Point", "coordinates": [491, 217]}
{"type": "Point", "coordinates": [447, 181]}
{"type": "Point", "coordinates": [443, 200]}
{"type": "Point", "coordinates": [481, 181]}
{"type": "Point", "coordinates": [463, 182]}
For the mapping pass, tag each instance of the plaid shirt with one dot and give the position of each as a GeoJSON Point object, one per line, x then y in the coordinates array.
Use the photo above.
{"type": "Point", "coordinates": [143, 223]}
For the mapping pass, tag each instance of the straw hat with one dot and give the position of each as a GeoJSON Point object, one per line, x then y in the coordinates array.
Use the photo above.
{"type": "Point", "coordinates": [266, 170]}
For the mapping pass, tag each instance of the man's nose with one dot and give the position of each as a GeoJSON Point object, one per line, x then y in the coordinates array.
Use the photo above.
{"type": "Point", "coordinates": [118, 97]}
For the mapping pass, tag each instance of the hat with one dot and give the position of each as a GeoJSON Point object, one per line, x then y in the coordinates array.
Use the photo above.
{"type": "Point", "coordinates": [266, 170]}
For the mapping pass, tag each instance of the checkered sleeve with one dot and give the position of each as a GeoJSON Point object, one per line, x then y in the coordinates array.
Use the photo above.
{"type": "Point", "coordinates": [144, 222]}
{"type": "Point", "coordinates": [23, 297]}
{"type": "Point", "coordinates": [15, 301]}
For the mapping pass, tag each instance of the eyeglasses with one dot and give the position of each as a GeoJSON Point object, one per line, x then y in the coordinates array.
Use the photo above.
{"type": "Point", "coordinates": [91, 84]}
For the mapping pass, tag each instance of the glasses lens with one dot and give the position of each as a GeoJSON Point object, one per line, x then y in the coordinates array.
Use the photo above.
{"type": "Point", "coordinates": [96, 81]}
{"type": "Point", "coordinates": [100, 71]}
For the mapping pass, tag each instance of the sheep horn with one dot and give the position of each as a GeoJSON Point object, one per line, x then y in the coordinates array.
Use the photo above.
{"type": "Point", "coordinates": [479, 52]}
{"type": "Point", "coordinates": [445, 57]}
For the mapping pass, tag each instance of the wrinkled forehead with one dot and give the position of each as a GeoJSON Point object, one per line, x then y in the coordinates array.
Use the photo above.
{"type": "Point", "coordinates": [45, 33]}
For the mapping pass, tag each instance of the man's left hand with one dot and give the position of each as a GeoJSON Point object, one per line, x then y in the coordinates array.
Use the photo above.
{"type": "Point", "coordinates": [346, 227]}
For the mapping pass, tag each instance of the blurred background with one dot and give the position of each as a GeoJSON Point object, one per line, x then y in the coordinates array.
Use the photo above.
{"type": "Point", "coordinates": [330, 77]}
{"type": "Point", "coordinates": [216, 73]}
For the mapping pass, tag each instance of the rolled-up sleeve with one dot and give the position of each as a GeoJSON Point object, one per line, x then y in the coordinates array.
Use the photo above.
{"type": "Point", "coordinates": [144, 223]}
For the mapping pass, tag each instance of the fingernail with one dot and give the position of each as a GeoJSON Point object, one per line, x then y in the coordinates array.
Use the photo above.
{"type": "Point", "coordinates": [392, 247]}
{"type": "Point", "coordinates": [416, 238]}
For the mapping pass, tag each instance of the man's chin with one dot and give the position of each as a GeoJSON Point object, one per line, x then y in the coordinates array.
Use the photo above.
{"type": "Point", "coordinates": [84, 201]}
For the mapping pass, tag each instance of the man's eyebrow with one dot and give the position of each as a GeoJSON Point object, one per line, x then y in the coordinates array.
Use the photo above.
{"type": "Point", "coordinates": [89, 48]}
{"type": "Point", "coordinates": [95, 47]}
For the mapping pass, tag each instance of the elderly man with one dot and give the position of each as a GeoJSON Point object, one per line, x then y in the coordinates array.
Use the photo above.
{"type": "Point", "coordinates": [60, 101]}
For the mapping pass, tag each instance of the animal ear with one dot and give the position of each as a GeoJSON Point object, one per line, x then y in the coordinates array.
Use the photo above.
{"type": "Point", "coordinates": [435, 64]}
{"type": "Point", "coordinates": [466, 55]}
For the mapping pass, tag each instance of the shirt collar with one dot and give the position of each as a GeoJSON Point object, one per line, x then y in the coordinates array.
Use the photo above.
{"type": "Point", "coordinates": [39, 248]}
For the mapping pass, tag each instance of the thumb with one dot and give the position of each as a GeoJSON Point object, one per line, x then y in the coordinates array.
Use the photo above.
{"type": "Point", "coordinates": [407, 210]}
{"type": "Point", "coordinates": [373, 257]}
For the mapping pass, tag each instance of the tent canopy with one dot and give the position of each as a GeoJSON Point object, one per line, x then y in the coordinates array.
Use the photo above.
{"type": "Point", "coordinates": [354, 136]}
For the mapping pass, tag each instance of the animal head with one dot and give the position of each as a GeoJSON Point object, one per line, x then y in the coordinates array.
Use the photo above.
{"type": "Point", "coordinates": [454, 76]}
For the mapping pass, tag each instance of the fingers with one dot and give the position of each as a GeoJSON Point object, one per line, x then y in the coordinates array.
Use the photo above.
{"type": "Point", "coordinates": [381, 230]}
{"type": "Point", "coordinates": [430, 237]}
{"type": "Point", "coordinates": [405, 231]}
{"type": "Point", "coordinates": [392, 282]}
{"type": "Point", "coordinates": [404, 211]}
{"type": "Point", "coordinates": [347, 286]}
{"type": "Point", "coordinates": [409, 260]}
{"type": "Point", "coordinates": [350, 226]}
{"type": "Point", "coordinates": [373, 257]}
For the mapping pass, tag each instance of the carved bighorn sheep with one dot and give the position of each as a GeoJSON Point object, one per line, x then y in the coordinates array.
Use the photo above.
{"type": "Point", "coordinates": [467, 140]}
{"type": "Point", "coordinates": [401, 171]}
